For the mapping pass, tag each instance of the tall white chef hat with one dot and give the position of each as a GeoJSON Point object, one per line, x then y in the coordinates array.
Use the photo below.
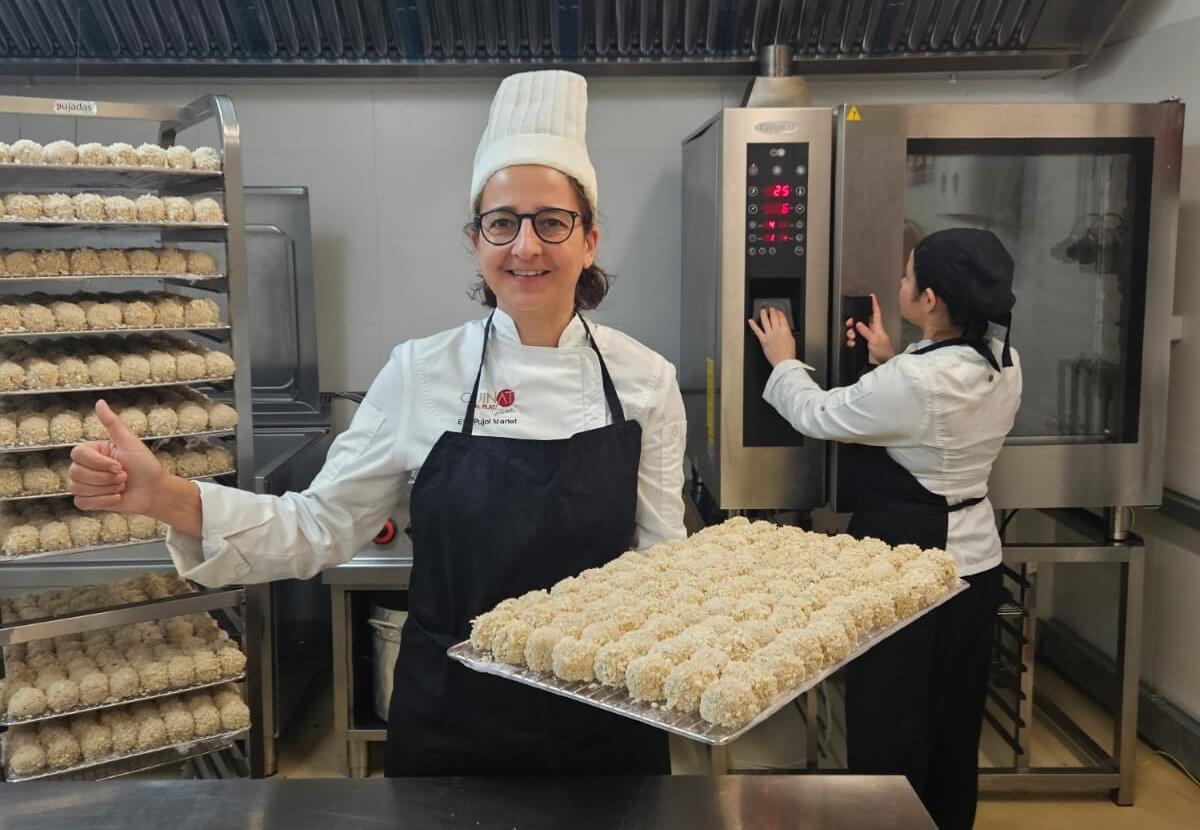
{"type": "Point", "coordinates": [537, 118]}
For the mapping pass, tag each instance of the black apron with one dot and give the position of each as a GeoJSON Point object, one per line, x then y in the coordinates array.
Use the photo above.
{"type": "Point", "coordinates": [493, 518]}
{"type": "Point", "coordinates": [914, 703]}
{"type": "Point", "coordinates": [892, 505]}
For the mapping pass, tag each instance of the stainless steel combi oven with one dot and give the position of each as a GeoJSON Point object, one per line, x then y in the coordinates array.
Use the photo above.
{"type": "Point", "coordinates": [812, 209]}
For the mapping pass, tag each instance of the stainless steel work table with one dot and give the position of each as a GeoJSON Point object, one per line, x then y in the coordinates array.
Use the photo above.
{"type": "Point", "coordinates": [375, 569]}
{"type": "Point", "coordinates": [664, 803]}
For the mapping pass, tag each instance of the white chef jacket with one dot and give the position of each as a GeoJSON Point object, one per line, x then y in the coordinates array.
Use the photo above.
{"type": "Point", "coordinates": [943, 416]}
{"type": "Point", "coordinates": [533, 392]}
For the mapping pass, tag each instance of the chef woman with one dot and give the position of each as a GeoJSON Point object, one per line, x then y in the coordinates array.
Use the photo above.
{"type": "Point", "coordinates": [925, 427]}
{"type": "Point", "coordinates": [546, 445]}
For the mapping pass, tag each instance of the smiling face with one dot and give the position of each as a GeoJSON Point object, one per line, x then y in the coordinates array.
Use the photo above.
{"type": "Point", "coordinates": [531, 277]}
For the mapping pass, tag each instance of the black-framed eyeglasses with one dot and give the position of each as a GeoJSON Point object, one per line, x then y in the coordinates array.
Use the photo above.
{"type": "Point", "coordinates": [501, 226]}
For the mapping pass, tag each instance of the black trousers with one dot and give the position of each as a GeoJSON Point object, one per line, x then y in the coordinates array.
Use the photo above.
{"type": "Point", "coordinates": [914, 703]}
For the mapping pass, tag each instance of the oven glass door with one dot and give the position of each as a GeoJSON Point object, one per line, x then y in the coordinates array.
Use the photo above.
{"type": "Point", "coordinates": [1074, 214]}
{"type": "Point", "coordinates": [1085, 197]}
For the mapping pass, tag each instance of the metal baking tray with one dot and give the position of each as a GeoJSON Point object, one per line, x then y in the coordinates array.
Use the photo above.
{"type": "Point", "coordinates": [44, 177]}
{"type": "Point", "coordinates": [111, 225]}
{"type": "Point", "coordinates": [114, 168]}
{"type": "Point", "coordinates": [62, 390]}
{"type": "Point", "coordinates": [60, 493]}
{"type": "Point", "coordinates": [128, 330]}
{"type": "Point", "coordinates": [168, 754]}
{"type": "Point", "coordinates": [5, 559]}
{"type": "Point", "coordinates": [208, 433]}
{"type": "Point", "coordinates": [76, 277]}
{"type": "Point", "coordinates": [190, 592]}
{"type": "Point", "coordinates": [82, 622]}
{"type": "Point", "coordinates": [125, 701]}
{"type": "Point", "coordinates": [143, 763]}
{"type": "Point", "coordinates": [110, 168]}
{"type": "Point", "coordinates": [688, 725]}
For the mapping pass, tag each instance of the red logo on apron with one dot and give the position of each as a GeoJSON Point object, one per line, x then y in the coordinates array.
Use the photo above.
{"type": "Point", "coordinates": [506, 398]}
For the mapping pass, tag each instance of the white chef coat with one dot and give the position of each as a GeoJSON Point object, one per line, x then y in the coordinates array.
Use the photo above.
{"type": "Point", "coordinates": [533, 392]}
{"type": "Point", "coordinates": [943, 416]}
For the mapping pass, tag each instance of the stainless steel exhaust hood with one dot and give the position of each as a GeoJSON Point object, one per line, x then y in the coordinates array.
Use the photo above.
{"type": "Point", "coordinates": [463, 38]}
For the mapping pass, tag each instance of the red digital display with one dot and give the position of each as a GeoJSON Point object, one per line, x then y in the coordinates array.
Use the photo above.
{"type": "Point", "coordinates": [776, 224]}
{"type": "Point", "coordinates": [776, 237]}
{"type": "Point", "coordinates": [778, 191]}
{"type": "Point", "coordinates": [777, 208]}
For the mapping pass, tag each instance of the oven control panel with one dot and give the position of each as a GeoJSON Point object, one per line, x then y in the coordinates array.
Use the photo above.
{"type": "Point", "coordinates": [776, 237]}
{"type": "Point", "coordinates": [776, 209]}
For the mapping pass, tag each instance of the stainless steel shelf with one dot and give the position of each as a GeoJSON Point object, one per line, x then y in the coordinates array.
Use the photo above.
{"type": "Point", "coordinates": [6, 559]}
{"type": "Point", "coordinates": [7, 278]}
{"type": "Point", "coordinates": [86, 570]}
{"type": "Point", "coordinates": [55, 177]}
{"type": "Point", "coordinates": [62, 390]}
{"type": "Point", "coordinates": [226, 185]}
{"type": "Point", "coordinates": [112, 704]}
{"type": "Point", "coordinates": [211, 433]}
{"type": "Point", "coordinates": [142, 760]}
{"type": "Point", "coordinates": [8, 222]}
{"type": "Point", "coordinates": [26, 631]}
{"type": "Point", "coordinates": [24, 335]}
{"type": "Point", "coordinates": [62, 493]}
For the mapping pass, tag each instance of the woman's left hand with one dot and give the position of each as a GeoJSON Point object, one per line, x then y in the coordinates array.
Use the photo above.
{"type": "Point", "coordinates": [775, 335]}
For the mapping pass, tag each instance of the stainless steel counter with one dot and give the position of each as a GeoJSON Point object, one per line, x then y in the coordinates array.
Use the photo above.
{"type": "Point", "coordinates": [375, 568]}
{"type": "Point", "coordinates": [379, 567]}
{"type": "Point", "coordinates": [691, 802]}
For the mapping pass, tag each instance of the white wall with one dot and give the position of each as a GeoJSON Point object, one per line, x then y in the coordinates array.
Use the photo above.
{"type": "Point", "coordinates": [1152, 67]}
{"type": "Point", "coordinates": [1158, 61]}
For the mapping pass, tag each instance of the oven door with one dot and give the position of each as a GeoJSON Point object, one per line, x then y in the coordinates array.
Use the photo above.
{"type": "Point", "coordinates": [1085, 198]}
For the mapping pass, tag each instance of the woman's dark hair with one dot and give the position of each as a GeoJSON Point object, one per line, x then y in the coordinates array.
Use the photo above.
{"type": "Point", "coordinates": [594, 281]}
{"type": "Point", "coordinates": [974, 326]}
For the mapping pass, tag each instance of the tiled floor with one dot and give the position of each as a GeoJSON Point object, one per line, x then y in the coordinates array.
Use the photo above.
{"type": "Point", "coordinates": [1166, 799]}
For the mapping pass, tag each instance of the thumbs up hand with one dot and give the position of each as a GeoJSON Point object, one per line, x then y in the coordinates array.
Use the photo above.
{"type": "Point", "coordinates": [120, 474]}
